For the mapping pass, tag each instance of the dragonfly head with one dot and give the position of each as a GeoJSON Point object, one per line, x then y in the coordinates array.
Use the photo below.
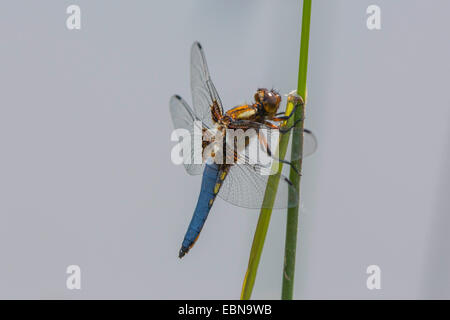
{"type": "Point", "coordinates": [270, 99]}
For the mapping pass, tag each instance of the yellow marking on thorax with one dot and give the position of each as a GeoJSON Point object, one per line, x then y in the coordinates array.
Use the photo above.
{"type": "Point", "coordinates": [247, 114]}
{"type": "Point", "coordinates": [243, 112]}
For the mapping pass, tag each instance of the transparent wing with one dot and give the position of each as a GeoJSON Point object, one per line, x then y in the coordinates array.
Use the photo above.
{"type": "Point", "coordinates": [184, 118]}
{"type": "Point", "coordinates": [204, 94]}
{"type": "Point", "coordinates": [269, 139]}
{"type": "Point", "coordinates": [309, 144]}
{"type": "Point", "coordinates": [245, 186]}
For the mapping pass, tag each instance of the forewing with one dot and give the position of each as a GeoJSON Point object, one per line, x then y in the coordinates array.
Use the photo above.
{"type": "Point", "coordinates": [204, 94]}
{"type": "Point", "coordinates": [309, 144]}
{"type": "Point", "coordinates": [184, 118]}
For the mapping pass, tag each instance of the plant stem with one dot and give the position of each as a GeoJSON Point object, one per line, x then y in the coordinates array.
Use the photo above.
{"type": "Point", "coordinates": [266, 212]}
{"type": "Point", "coordinates": [273, 180]}
{"type": "Point", "coordinates": [297, 148]}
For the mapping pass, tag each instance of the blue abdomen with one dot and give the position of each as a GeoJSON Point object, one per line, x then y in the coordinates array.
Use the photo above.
{"type": "Point", "coordinates": [208, 192]}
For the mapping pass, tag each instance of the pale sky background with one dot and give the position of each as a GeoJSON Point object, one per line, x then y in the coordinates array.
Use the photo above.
{"type": "Point", "coordinates": [85, 170]}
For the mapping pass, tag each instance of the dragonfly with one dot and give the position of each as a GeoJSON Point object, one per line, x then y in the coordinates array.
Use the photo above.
{"type": "Point", "coordinates": [240, 183]}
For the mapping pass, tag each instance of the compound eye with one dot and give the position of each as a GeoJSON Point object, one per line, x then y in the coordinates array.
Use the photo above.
{"type": "Point", "coordinates": [260, 94]}
{"type": "Point", "coordinates": [257, 97]}
{"type": "Point", "coordinates": [278, 99]}
{"type": "Point", "coordinates": [270, 98]}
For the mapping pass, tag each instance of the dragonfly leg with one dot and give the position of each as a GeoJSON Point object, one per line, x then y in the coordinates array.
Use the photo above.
{"type": "Point", "coordinates": [290, 164]}
{"type": "Point", "coordinates": [287, 180]}
{"type": "Point", "coordinates": [283, 116]}
{"type": "Point", "coordinates": [287, 129]}
{"type": "Point", "coordinates": [282, 129]}
{"type": "Point", "coordinates": [298, 101]}
{"type": "Point", "coordinates": [263, 141]}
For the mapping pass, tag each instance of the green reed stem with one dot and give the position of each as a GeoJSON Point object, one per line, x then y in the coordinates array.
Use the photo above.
{"type": "Point", "coordinates": [273, 180]}
{"type": "Point", "coordinates": [266, 212]}
{"type": "Point", "coordinates": [297, 149]}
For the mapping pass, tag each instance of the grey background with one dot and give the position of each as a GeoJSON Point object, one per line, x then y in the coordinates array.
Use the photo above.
{"type": "Point", "coordinates": [85, 170]}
